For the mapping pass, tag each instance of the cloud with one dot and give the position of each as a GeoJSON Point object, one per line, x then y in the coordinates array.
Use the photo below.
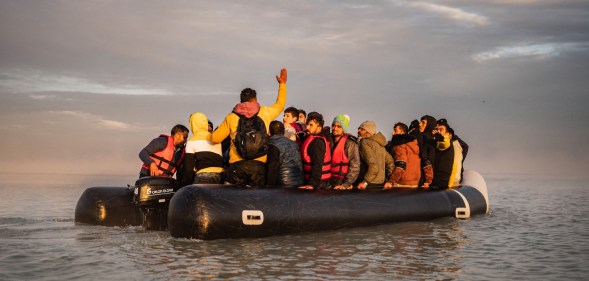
{"type": "Point", "coordinates": [539, 51]}
{"type": "Point", "coordinates": [515, 1]}
{"type": "Point", "coordinates": [42, 97]}
{"type": "Point", "coordinates": [36, 81]}
{"type": "Point", "coordinates": [357, 6]}
{"type": "Point", "coordinates": [18, 126]}
{"type": "Point", "coordinates": [111, 124]}
{"type": "Point", "coordinates": [449, 12]}
{"type": "Point", "coordinates": [96, 119]}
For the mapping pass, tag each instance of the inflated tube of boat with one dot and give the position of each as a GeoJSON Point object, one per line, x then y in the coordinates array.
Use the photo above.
{"type": "Point", "coordinates": [227, 211]}
{"type": "Point", "coordinates": [107, 206]}
{"type": "Point", "coordinates": [145, 204]}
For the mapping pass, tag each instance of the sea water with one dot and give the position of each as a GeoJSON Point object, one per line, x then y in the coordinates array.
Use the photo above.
{"type": "Point", "coordinates": [537, 229]}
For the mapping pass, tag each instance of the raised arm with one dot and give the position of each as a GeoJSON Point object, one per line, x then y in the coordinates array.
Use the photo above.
{"type": "Point", "coordinates": [222, 131]}
{"type": "Point", "coordinates": [275, 109]}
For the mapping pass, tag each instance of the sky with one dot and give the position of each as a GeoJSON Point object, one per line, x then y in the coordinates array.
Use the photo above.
{"type": "Point", "coordinates": [85, 85]}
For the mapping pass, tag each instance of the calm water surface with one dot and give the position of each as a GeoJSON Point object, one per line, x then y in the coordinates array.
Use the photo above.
{"type": "Point", "coordinates": [538, 229]}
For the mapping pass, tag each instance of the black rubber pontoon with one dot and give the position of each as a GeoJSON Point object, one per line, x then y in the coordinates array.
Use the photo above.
{"type": "Point", "coordinates": [145, 204]}
{"type": "Point", "coordinates": [221, 211]}
{"type": "Point", "coordinates": [108, 206]}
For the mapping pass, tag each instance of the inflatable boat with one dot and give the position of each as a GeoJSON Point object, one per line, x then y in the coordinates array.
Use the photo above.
{"type": "Point", "coordinates": [227, 211]}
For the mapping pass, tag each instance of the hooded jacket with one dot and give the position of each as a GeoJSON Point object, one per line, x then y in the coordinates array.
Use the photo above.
{"type": "Point", "coordinates": [202, 156]}
{"type": "Point", "coordinates": [376, 162]}
{"type": "Point", "coordinates": [285, 167]}
{"type": "Point", "coordinates": [248, 109]}
{"type": "Point", "coordinates": [427, 150]}
{"type": "Point", "coordinates": [407, 171]}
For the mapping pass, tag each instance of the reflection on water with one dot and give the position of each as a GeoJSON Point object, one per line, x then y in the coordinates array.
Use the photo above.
{"type": "Point", "coordinates": [536, 230]}
{"type": "Point", "coordinates": [407, 250]}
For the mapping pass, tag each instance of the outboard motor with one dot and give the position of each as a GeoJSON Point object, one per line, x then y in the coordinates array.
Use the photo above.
{"type": "Point", "coordinates": [152, 195]}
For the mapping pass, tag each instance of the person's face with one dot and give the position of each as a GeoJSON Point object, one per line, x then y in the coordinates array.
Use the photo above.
{"type": "Point", "coordinates": [337, 130]}
{"type": "Point", "coordinates": [302, 118]}
{"type": "Point", "coordinates": [362, 133]}
{"type": "Point", "coordinates": [313, 128]}
{"type": "Point", "coordinates": [422, 125]}
{"type": "Point", "coordinates": [397, 131]}
{"type": "Point", "coordinates": [442, 130]}
{"type": "Point", "coordinates": [180, 138]}
{"type": "Point", "coordinates": [288, 118]}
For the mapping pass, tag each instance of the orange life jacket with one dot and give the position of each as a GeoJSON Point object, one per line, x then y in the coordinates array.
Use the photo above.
{"type": "Point", "coordinates": [340, 163]}
{"type": "Point", "coordinates": [163, 158]}
{"type": "Point", "coordinates": [326, 169]}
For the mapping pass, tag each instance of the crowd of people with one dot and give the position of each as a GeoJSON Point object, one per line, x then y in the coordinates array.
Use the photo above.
{"type": "Point", "coordinates": [250, 148]}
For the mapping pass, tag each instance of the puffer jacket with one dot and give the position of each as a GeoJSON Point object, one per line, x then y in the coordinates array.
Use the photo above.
{"type": "Point", "coordinates": [407, 171]}
{"type": "Point", "coordinates": [376, 162]}
{"type": "Point", "coordinates": [291, 165]}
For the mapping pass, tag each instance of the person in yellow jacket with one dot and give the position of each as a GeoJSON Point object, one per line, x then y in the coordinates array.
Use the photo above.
{"type": "Point", "coordinates": [242, 171]}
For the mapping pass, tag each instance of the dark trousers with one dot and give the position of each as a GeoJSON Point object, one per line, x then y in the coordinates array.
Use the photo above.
{"type": "Point", "coordinates": [205, 178]}
{"type": "Point", "coordinates": [246, 172]}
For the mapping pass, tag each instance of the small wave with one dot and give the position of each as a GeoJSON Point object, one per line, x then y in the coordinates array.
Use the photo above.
{"type": "Point", "coordinates": [14, 221]}
{"type": "Point", "coordinates": [4, 221]}
{"type": "Point", "coordinates": [63, 220]}
{"type": "Point", "coordinates": [18, 227]}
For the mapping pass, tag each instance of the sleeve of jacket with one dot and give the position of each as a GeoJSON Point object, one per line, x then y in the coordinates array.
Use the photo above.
{"type": "Point", "coordinates": [275, 109]}
{"type": "Point", "coordinates": [354, 165]}
{"type": "Point", "coordinates": [400, 158]}
{"type": "Point", "coordinates": [154, 146]}
{"type": "Point", "coordinates": [389, 164]}
{"type": "Point", "coordinates": [429, 174]}
{"type": "Point", "coordinates": [429, 149]}
{"type": "Point", "coordinates": [273, 166]}
{"type": "Point", "coordinates": [317, 154]}
{"type": "Point", "coordinates": [369, 160]}
{"type": "Point", "coordinates": [223, 131]}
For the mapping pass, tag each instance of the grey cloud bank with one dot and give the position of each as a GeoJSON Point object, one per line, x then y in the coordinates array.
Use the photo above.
{"type": "Point", "coordinates": [85, 85]}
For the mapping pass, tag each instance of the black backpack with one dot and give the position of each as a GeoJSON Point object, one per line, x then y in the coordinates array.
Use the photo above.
{"type": "Point", "coordinates": [251, 139]}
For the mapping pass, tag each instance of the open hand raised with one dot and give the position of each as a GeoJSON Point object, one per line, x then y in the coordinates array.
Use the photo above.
{"type": "Point", "coordinates": [283, 76]}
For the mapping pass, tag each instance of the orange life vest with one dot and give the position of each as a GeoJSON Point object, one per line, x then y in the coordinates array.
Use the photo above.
{"type": "Point", "coordinates": [163, 158]}
{"type": "Point", "coordinates": [326, 169]}
{"type": "Point", "coordinates": [340, 163]}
